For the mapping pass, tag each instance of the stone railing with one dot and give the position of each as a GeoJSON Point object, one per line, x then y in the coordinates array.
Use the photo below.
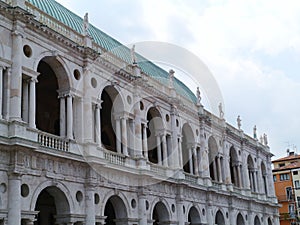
{"type": "Point", "coordinates": [157, 169]}
{"type": "Point", "coordinates": [114, 158]}
{"type": "Point", "coordinates": [190, 178]}
{"type": "Point", "coordinates": [53, 142]}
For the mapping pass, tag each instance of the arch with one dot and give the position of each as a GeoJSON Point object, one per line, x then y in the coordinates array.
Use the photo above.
{"type": "Point", "coordinates": [52, 82]}
{"type": "Point", "coordinates": [115, 209]}
{"type": "Point", "coordinates": [155, 130]}
{"type": "Point", "coordinates": [219, 219]}
{"type": "Point", "coordinates": [53, 206]}
{"type": "Point", "coordinates": [264, 177]}
{"type": "Point", "coordinates": [240, 220]}
{"type": "Point", "coordinates": [188, 141]}
{"type": "Point", "coordinates": [234, 167]}
{"type": "Point", "coordinates": [56, 184]}
{"type": "Point", "coordinates": [256, 221]}
{"type": "Point", "coordinates": [194, 216]}
{"type": "Point", "coordinates": [110, 113]}
{"type": "Point", "coordinates": [160, 213]}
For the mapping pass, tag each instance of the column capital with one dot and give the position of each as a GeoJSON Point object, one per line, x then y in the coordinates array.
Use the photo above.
{"type": "Point", "coordinates": [17, 33]}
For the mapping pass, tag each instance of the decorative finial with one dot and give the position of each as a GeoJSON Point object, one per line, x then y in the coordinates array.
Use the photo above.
{"type": "Point", "coordinates": [133, 56]}
{"type": "Point", "coordinates": [265, 140]}
{"type": "Point", "coordinates": [239, 122]}
{"type": "Point", "coordinates": [254, 132]}
{"type": "Point", "coordinates": [198, 94]}
{"type": "Point", "coordinates": [261, 139]}
{"type": "Point", "coordinates": [85, 24]}
{"type": "Point", "coordinates": [221, 110]}
{"type": "Point", "coordinates": [171, 78]}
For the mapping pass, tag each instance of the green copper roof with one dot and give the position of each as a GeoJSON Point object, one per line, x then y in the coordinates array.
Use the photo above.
{"type": "Point", "coordinates": [62, 14]}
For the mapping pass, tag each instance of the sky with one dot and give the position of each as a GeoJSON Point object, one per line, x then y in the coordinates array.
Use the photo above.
{"type": "Point", "coordinates": [251, 47]}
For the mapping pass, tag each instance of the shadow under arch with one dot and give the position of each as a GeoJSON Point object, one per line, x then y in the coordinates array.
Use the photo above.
{"type": "Point", "coordinates": [188, 141]}
{"type": "Point", "coordinates": [115, 211]}
{"type": "Point", "coordinates": [219, 218]}
{"type": "Point", "coordinates": [53, 82]}
{"type": "Point", "coordinates": [155, 129]}
{"type": "Point", "coordinates": [240, 220]}
{"type": "Point", "coordinates": [160, 213]}
{"type": "Point", "coordinates": [194, 216]}
{"type": "Point", "coordinates": [110, 115]}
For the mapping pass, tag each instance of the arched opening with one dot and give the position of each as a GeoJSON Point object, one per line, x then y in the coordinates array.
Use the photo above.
{"type": "Point", "coordinates": [256, 221]}
{"type": "Point", "coordinates": [213, 156]}
{"type": "Point", "coordinates": [160, 214]}
{"type": "Point", "coordinates": [194, 217]}
{"type": "Point", "coordinates": [188, 142]}
{"type": "Point", "coordinates": [111, 106]}
{"type": "Point", "coordinates": [240, 220]}
{"type": "Point", "coordinates": [219, 220]}
{"type": "Point", "coordinates": [264, 177]}
{"type": "Point", "coordinates": [234, 168]}
{"type": "Point", "coordinates": [115, 211]}
{"type": "Point", "coordinates": [154, 136]}
{"type": "Point", "coordinates": [52, 81]}
{"type": "Point", "coordinates": [251, 173]}
{"type": "Point", "coordinates": [269, 221]}
{"type": "Point", "coordinates": [52, 205]}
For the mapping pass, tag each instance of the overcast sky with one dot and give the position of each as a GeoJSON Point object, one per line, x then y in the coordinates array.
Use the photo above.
{"type": "Point", "coordinates": [252, 48]}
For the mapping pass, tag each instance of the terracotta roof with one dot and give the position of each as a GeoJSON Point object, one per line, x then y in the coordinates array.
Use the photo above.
{"type": "Point", "coordinates": [287, 158]}
{"type": "Point", "coordinates": [290, 166]}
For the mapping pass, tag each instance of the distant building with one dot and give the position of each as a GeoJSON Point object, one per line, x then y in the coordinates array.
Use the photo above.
{"type": "Point", "coordinates": [286, 176]}
{"type": "Point", "coordinates": [91, 134]}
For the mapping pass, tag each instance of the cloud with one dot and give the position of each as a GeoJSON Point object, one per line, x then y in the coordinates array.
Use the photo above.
{"type": "Point", "coordinates": [246, 44]}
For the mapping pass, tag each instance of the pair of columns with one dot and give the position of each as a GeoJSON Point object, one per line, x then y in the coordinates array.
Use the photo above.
{"type": "Point", "coordinates": [217, 169]}
{"type": "Point", "coordinates": [29, 101]}
{"type": "Point", "coordinates": [193, 160]}
{"type": "Point", "coordinates": [162, 149]}
{"type": "Point", "coordinates": [66, 116]}
{"type": "Point", "coordinates": [121, 135]}
{"type": "Point", "coordinates": [253, 179]}
{"type": "Point", "coordinates": [237, 174]}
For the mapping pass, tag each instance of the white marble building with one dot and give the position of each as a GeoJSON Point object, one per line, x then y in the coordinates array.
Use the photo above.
{"type": "Point", "coordinates": [89, 137]}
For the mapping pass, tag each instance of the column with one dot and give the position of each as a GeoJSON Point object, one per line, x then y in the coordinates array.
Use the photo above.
{"type": "Point", "coordinates": [98, 124]}
{"type": "Point", "coordinates": [180, 152]}
{"type": "Point", "coordinates": [6, 105]}
{"type": "Point", "coordinates": [1, 91]}
{"type": "Point", "coordinates": [25, 100]}
{"type": "Point", "coordinates": [90, 206]}
{"type": "Point", "coordinates": [32, 102]}
{"type": "Point", "coordinates": [62, 118]}
{"type": "Point", "coordinates": [195, 161]}
{"type": "Point", "coordinates": [235, 176]}
{"type": "Point", "coordinates": [142, 210]}
{"type": "Point", "coordinates": [69, 117]}
{"type": "Point", "coordinates": [180, 214]}
{"type": "Point", "coordinates": [16, 78]}
{"type": "Point", "coordinates": [118, 136]}
{"type": "Point", "coordinates": [165, 151]}
{"type": "Point", "coordinates": [144, 141]}
{"type": "Point", "coordinates": [124, 136]}
{"type": "Point", "coordinates": [158, 150]}
{"type": "Point", "coordinates": [190, 160]}
{"type": "Point", "coordinates": [255, 180]}
{"type": "Point", "coordinates": [239, 175]}
{"type": "Point", "coordinates": [215, 169]}
{"type": "Point", "coordinates": [14, 199]}
{"type": "Point", "coordinates": [219, 169]}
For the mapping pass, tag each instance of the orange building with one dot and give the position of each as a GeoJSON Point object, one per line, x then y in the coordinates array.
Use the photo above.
{"type": "Point", "coordinates": [284, 187]}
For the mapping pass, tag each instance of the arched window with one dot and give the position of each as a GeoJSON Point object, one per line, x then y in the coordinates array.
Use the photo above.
{"type": "Point", "coordinates": [189, 152]}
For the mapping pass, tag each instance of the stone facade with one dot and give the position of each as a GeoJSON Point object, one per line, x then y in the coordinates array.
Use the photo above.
{"type": "Point", "coordinates": [87, 141]}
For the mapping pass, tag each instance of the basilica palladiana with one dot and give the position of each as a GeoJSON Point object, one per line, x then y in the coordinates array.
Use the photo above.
{"type": "Point", "coordinates": [92, 133]}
